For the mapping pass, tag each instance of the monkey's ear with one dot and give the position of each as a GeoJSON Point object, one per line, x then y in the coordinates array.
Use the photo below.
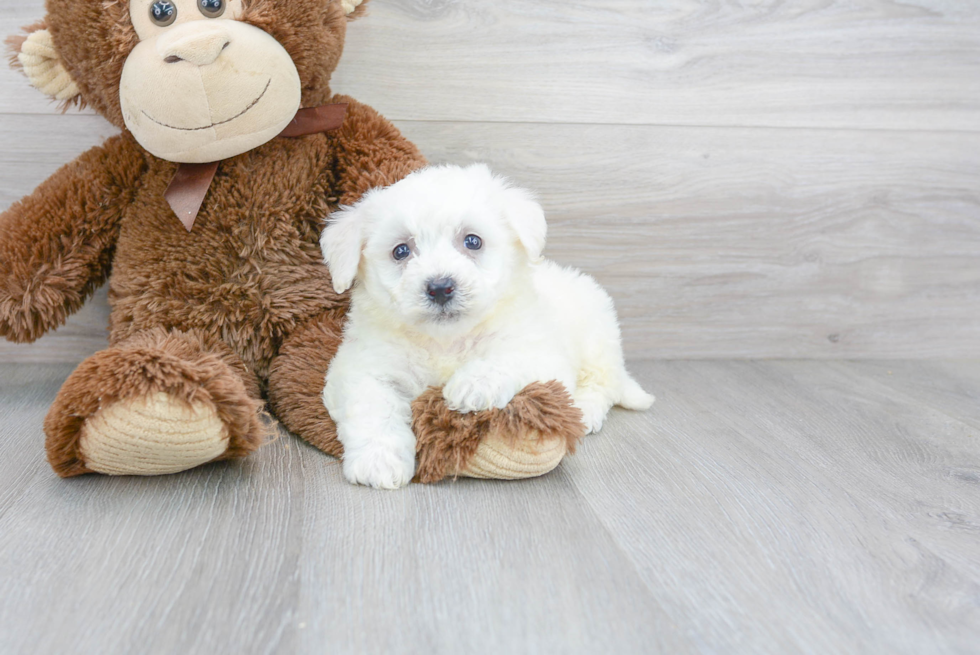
{"type": "Point", "coordinates": [342, 242]}
{"type": "Point", "coordinates": [35, 54]}
{"type": "Point", "coordinates": [354, 8]}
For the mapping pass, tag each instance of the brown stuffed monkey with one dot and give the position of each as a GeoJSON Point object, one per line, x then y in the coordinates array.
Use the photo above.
{"type": "Point", "coordinates": [204, 216]}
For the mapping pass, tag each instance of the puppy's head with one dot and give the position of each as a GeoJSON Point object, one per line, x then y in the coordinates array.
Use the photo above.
{"type": "Point", "coordinates": [437, 250]}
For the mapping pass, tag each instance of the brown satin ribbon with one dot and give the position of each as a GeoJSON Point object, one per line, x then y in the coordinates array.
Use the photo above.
{"type": "Point", "coordinates": [186, 192]}
{"type": "Point", "coordinates": [314, 120]}
{"type": "Point", "coordinates": [190, 184]}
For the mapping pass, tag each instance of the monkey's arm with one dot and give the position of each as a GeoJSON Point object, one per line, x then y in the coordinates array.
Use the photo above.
{"type": "Point", "coordinates": [56, 244]}
{"type": "Point", "coordinates": [371, 152]}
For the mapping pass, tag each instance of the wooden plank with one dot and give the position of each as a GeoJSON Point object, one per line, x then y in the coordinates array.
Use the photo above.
{"type": "Point", "coordinates": [714, 242]}
{"type": "Point", "coordinates": [280, 554]}
{"type": "Point", "coordinates": [948, 386]}
{"type": "Point", "coordinates": [469, 567]}
{"type": "Point", "coordinates": [722, 242]}
{"type": "Point", "coordinates": [753, 242]}
{"type": "Point", "coordinates": [34, 147]}
{"type": "Point", "coordinates": [787, 507]}
{"type": "Point", "coordinates": [757, 508]}
{"type": "Point", "coordinates": [203, 561]}
{"type": "Point", "coordinates": [814, 63]}
{"type": "Point", "coordinates": [26, 392]}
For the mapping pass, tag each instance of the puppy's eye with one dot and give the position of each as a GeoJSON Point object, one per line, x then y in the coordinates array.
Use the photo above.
{"type": "Point", "coordinates": [163, 13]}
{"type": "Point", "coordinates": [473, 242]}
{"type": "Point", "coordinates": [401, 251]}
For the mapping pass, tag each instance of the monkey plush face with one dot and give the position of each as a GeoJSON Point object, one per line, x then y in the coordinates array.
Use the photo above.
{"type": "Point", "coordinates": [201, 85]}
{"type": "Point", "coordinates": [193, 80]}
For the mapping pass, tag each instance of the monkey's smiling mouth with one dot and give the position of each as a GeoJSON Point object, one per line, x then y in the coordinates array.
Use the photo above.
{"type": "Point", "coordinates": [208, 127]}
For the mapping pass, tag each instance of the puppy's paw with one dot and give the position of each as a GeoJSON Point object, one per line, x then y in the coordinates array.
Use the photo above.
{"type": "Point", "coordinates": [593, 416]}
{"type": "Point", "coordinates": [594, 408]}
{"type": "Point", "coordinates": [478, 386]}
{"type": "Point", "coordinates": [379, 467]}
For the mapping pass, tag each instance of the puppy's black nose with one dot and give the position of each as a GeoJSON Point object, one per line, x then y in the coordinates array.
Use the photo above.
{"type": "Point", "coordinates": [441, 290]}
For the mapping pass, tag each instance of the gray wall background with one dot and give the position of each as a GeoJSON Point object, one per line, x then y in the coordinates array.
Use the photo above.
{"type": "Point", "coordinates": [764, 179]}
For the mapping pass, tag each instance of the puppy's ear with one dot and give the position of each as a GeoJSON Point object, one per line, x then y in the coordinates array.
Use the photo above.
{"type": "Point", "coordinates": [341, 243]}
{"type": "Point", "coordinates": [526, 218]}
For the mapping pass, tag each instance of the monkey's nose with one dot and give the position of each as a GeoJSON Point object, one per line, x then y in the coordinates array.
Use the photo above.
{"type": "Point", "coordinates": [440, 290]}
{"type": "Point", "coordinates": [197, 42]}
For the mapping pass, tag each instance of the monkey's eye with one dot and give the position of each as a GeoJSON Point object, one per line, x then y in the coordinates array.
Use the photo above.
{"type": "Point", "coordinates": [473, 242]}
{"type": "Point", "coordinates": [401, 251]}
{"type": "Point", "coordinates": [211, 8]}
{"type": "Point", "coordinates": [163, 13]}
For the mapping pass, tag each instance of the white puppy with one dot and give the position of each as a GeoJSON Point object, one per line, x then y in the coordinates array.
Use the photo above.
{"type": "Point", "coordinates": [452, 290]}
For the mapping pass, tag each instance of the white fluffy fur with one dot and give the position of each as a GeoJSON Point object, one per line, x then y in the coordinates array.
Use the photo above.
{"type": "Point", "coordinates": [514, 319]}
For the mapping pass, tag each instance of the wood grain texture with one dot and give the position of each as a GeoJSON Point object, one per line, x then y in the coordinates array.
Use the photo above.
{"type": "Point", "coordinates": [756, 242]}
{"type": "Point", "coordinates": [948, 386]}
{"type": "Point", "coordinates": [469, 567]}
{"type": "Point", "coordinates": [673, 150]}
{"type": "Point", "coordinates": [809, 63]}
{"type": "Point", "coordinates": [719, 242]}
{"type": "Point", "coordinates": [815, 63]}
{"type": "Point", "coordinates": [842, 512]}
{"type": "Point", "coordinates": [772, 507]}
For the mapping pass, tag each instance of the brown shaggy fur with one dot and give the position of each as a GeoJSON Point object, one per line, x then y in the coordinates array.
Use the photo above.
{"type": "Point", "coordinates": [447, 439]}
{"type": "Point", "coordinates": [56, 244]}
{"type": "Point", "coordinates": [242, 304]}
{"type": "Point", "coordinates": [297, 377]}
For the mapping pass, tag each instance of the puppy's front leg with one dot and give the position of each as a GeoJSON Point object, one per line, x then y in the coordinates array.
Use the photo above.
{"type": "Point", "coordinates": [480, 384]}
{"type": "Point", "coordinates": [374, 424]}
{"type": "Point", "coordinates": [493, 380]}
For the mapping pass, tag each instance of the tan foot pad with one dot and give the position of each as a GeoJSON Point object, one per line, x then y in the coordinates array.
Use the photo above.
{"type": "Point", "coordinates": [151, 436]}
{"type": "Point", "coordinates": [526, 439]}
{"type": "Point", "coordinates": [501, 459]}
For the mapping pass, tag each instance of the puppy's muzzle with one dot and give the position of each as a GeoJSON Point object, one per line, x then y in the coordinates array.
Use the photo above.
{"type": "Point", "coordinates": [440, 290]}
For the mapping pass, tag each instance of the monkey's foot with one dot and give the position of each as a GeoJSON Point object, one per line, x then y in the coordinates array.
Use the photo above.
{"type": "Point", "coordinates": [160, 402]}
{"type": "Point", "coordinates": [527, 438]}
{"type": "Point", "coordinates": [154, 435]}
{"type": "Point", "coordinates": [502, 457]}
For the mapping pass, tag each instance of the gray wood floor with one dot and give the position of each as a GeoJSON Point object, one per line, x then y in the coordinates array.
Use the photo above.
{"type": "Point", "coordinates": [759, 507]}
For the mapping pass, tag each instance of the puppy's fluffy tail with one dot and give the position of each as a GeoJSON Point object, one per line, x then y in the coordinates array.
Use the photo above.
{"type": "Point", "coordinates": [633, 396]}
